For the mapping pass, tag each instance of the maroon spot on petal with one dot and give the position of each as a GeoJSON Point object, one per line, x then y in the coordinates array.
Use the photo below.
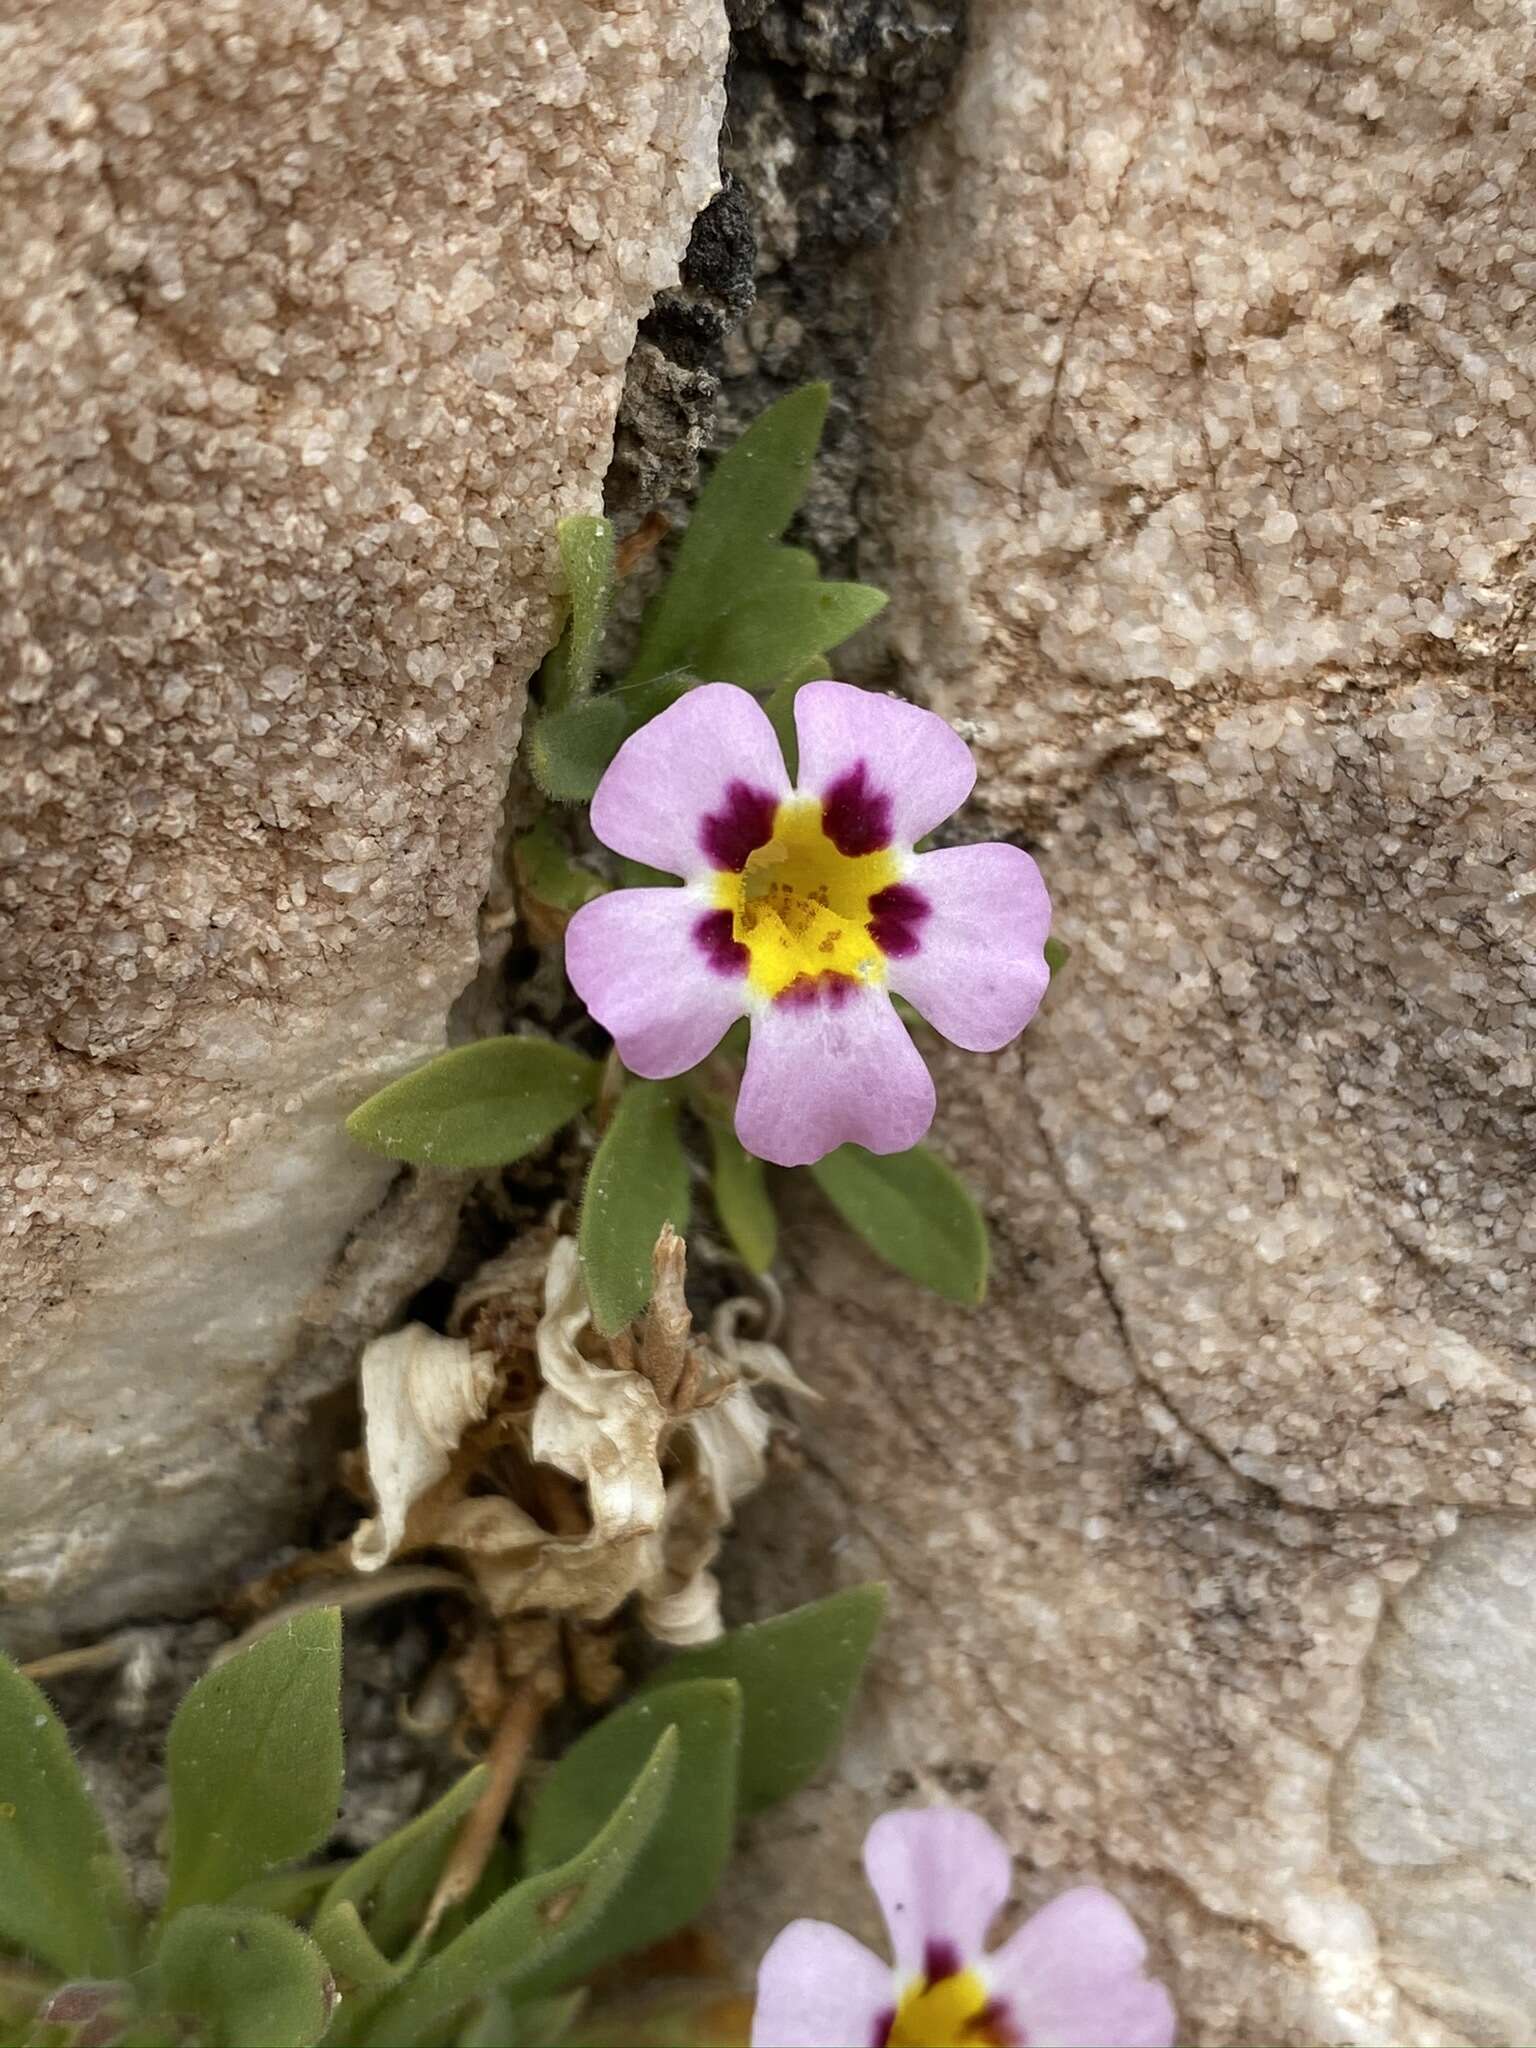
{"type": "Point", "coordinates": [856, 816]}
{"type": "Point", "coordinates": [715, 937]}
{"type": "Point", "coordinates": [807, 990]}
{"type": "Point", "coordinates": [896, 916]}
{"type": "Point", "coordinates": [744, 822]}
{"type": "Point", "coordinates": [881, 2031]}
{"type": "Point", "coordinates": [995, 2023]}
{"type": "Point", "coordinates": [940, 1959]}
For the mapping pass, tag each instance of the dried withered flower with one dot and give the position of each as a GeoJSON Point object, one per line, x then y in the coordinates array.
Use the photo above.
{"type": "Point", "coordinates": [564, 1471]}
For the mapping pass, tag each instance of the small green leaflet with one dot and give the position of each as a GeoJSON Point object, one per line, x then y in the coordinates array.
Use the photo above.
{"type": "Point", "coordinates": [1056, 954]}
{"type": "Point", "coordinates": [254, 1979]}
{"type": "Point", "coordinates": [745, 1207]}
{"type": "Point", "coordinates": [911, 1209]}
{"type": "Point", "coordinates": [548, 871]}
{"type": "Point", "coordinates": [769, 637]}
{"type": "Point", "coordinates": [523, 1936]}
{"type": "Point", "coordinates": [638, 1181]}
{"type": "Point", "coordinates": [568, 751]}
{"type": "Point", "coordinates": [586, 555]}
{"type": "Point", "coordinates": [63, 1895]}
{"type": "Point", "coordinates": [388, 1887]}
{"type": "Point", "coordinates": [798, 1674]}
{"type": "Point", "coordinates": [254, 1761]}
{"type": "Point", "coordinates": [482, 1105]}
{"type": "Point", "coordinates": [673, 1877]}
{"type": "Point", "coordinates": [751, 496]}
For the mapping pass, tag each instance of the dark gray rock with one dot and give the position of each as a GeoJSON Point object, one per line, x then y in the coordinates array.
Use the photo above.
{"type": "Point", "coordinates": [777, 286]}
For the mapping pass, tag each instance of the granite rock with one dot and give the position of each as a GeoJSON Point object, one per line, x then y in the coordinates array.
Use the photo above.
{"type": "Point", "coordinates": [315, 319]}
{"type": "Point", "coordinates": [1206, 504]}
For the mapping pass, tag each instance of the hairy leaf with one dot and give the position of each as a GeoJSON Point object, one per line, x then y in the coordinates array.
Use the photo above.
{"type": "Point", "coordinates": [63, 1895]}
{"type": "Point", "coordinates": [549, 872]}
{"type": "Point", "coordinates": [638, 1181]}
{"type": "Point", "coordinates": [674, 1875]}
{"type": "Point", "coordinates": [769, 637]}
{"type": "Point", "coordinates": [531, 1927]}
{"type": "Point", "coordinates": [911, 1209]}
{"type": "Point", "coordinates": [568, 750]}
{"type": "Point", "coordinates": [543, 2023]}
{"type": "Point", "coordinates": [251, 1979]}
{"type": "Point", "coordinates": [797, 1674]}
{"type": "Point", "coordinates": [586, 555]}
{"type": "Point", "coordinates": [751, 496]}
{"type": "Point", "coordinates": [482, 1105]}
{"type": "Point", "coordinates": [740, 1184]}
{"type": "Point", "coordinates": [389, 1885]}
{"type": "Point", "coordinates": [254, 1761]}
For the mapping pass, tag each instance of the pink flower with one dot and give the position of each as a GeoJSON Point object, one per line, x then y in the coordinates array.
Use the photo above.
{"type": "Point", "coordinates": [805, 910]}
{"type": "Point", "coordinates": [1071, 1977]}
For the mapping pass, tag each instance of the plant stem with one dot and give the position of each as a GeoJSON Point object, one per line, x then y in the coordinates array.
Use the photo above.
{"type": "Point", "coordinates": [482, 1824]}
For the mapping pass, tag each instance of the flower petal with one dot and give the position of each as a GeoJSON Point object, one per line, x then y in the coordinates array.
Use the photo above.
{"type": "Point", "coordinates": [819, 1988]}
{"type": "Point", "coordinates": [941, 1875]}
{"type": "Point", "coordinates": [649, 966]}
{"type": "Point", "coordinates": [1072, 1977]}
{"type": "Point", "coordinates": [887, 771]}
{"type": "Point", "coordinates": [828, 1067]}
{"type": "Point", "coordinates": [696, 786]}
{"type": "Point", "coordinates": [976, 964]}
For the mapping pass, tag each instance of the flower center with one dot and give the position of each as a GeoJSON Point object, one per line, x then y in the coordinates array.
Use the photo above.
{"type": "Point", "coordinates": [802, 909]}
{"type": "Point", "coordinates": [948, 2012]}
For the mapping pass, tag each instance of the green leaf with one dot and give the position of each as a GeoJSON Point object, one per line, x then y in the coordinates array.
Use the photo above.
{"type": "Point", "coordinates": [742, 1199]}
{"type": "Point", "coordinates": [548, 870]}
{"type": "Point", "coordinates": [569, 750]}
{"type": "Point", "coordinates": [1056, 955]}
{"type": "Point", "coordinates": [481, 1105]}
{"type": "Point", "coordinates": [254, 1980]}
{"type": "Point", "coordinates": [586, 555]}
{"type": "Point", "coordinates": [798, 1674]}
{"type": "Point", "coordinates": [780, 708]}
{"type": "Point", "coordinates": [63, 1895]}
{"type": "Point", "coordinates": [293, 1894]}
{"type": "Point", "coordinates": [911, 1209]}
{"type": "Point", "coordinates": [532, 1926]}
{"type": "Point", "coordinates": [388, 1887]}
{"type": "Point", "coordinates": [634, 874]}
{"type": "Point", "coordinates": [360, 1965]}
{"type": "Point", "coordinates": [750, 498]}
{"type": "Point", "coordinates": [769, 636]}
{"type": "Point", "coordinates": [254, 1761]}
{"type": "Point", "coordinates": [543, 2024]}
{"type": "Point", "coordinates": [673, 1877]}
{"type": "Point", "coordinates": [638, 1182]}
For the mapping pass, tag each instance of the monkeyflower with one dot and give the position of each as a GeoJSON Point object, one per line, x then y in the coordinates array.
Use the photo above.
{"type": "Point", "coordinates": [1070, 1977]}
{"type": "Point", "coordinates": [805, 910]}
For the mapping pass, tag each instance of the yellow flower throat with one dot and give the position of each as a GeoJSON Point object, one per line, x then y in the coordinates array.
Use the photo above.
{"type": "Point", "coordinates": [801, 908]}
{"type": "Point", "coordinates": [945, 2012]}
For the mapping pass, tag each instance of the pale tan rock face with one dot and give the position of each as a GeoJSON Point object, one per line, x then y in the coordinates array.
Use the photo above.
{"type": "Point", "coordinates": [314, 320]}
{"type": "Point", "coordinates": [1207, 502]}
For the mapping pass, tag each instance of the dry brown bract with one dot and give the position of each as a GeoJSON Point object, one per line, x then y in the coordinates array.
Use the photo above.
{"type": "Point", "coordinates": [566, 1471]}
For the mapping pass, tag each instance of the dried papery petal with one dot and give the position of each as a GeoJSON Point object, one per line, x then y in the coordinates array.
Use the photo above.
{"type": "Point", "coordinates": [511, 1284]}
{"type": "Point", "coordinates": [690, 1615]}
{"type": "Point", "coordinates": [602, 1468]}
{"type": "Point", "coordinates": [421, 1392]}
{"type": "Point", "coordinates": [599, 1425]}
{"type": "Point", "coordinates": [667, 1327]}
